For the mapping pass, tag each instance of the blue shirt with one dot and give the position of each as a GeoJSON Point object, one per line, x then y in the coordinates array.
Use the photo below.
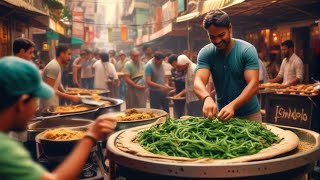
{"type": "Point", "coordinates": [228, 73]}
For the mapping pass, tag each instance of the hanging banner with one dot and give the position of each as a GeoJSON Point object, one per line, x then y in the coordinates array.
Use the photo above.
{"type": "Point", "coordinates": [124, 33]}
{"type": "Point", "coordinates": [78, 29]}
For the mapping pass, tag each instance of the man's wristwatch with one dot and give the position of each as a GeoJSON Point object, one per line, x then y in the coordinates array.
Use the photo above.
{"type": "Point", "coordinates": [90, 136]}
{"type": "Point", "coordinates": [205, 98]}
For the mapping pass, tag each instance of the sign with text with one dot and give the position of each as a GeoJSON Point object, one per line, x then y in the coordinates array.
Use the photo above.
{"type": "Point", "coordinates": [289, 110]}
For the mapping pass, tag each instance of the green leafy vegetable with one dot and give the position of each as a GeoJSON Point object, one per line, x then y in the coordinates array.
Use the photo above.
{"type": "Point", "coordinates": [203, 138]}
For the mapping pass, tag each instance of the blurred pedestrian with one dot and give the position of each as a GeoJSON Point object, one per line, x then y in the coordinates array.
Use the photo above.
{"type": "Point", "coordinates": [24, 48]}
{"type": "Point", "coordinates": [291, 69]}
{"type": "Point", "coordinates": [52, 74]}
{"type": "Point", "coordinates": [120, 67]}
{"type": "Point", "coordinates": [155, 79]}
{"type": "Point", "coordinates": [85, 64]}
{"type": "Point", "coordinates": [178, 78]}
{"type": "Point", "coordinates": [133, 76]}
{"type": "Point", "coordinates": [112, 57]}
{"type": "Point", "coordinates": [147, 54]}
{"type": "Point", "coordinates": [194, 104]}
{"type": "Point", "coordinates": [105, 73]}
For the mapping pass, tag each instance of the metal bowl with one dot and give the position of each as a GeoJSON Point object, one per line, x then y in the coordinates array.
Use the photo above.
{"type": "Point", "coordinates": [114, 107]}
{"type": "Point", "coordinates": [128, 124]}
{"type": "Point", "coordinates": [37, 127]}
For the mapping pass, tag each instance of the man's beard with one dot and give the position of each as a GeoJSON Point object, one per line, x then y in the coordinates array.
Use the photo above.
{"type": "Point", "coordinates": [223, 45]}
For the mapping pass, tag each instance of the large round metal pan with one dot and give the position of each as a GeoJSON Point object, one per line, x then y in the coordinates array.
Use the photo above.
{"type": "Point", "coordinates": [128, 124]}
{"type": "Point", "coordinates": [307, 152]}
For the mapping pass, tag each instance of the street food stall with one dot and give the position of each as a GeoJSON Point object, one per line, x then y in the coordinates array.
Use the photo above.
{"type": "Point", "coordinates": [296, 106]}
{"type": "Point", "coordinates": [293, 157]}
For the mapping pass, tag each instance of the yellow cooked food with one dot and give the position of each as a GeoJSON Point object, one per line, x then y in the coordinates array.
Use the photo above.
{"type": "Point", "coordinates": [133, 114]}
{"type": "Point", "coordinates": [95, 97]}
{"type": "Point", "coordinates": [83, 91]}
{"type": "Point", "coordinates": [62, 134]}
{"type": "Point", "coordinates": [70, 109]}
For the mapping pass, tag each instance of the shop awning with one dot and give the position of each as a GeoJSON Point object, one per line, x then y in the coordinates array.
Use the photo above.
{"type": "Point", "coordinates": [75, 40]}
{"type": "Point", "coordinates": [26, 6]}
{"type": "Point", "coordinates": [215, 4]}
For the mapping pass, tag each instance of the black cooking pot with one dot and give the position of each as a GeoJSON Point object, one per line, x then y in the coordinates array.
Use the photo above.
{"type": "Point", "coordinates": [56, 149]}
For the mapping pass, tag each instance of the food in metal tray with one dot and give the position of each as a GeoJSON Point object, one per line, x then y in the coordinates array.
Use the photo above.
{"type": "Point", "coordinates": [62, 134]}
{"type": "Point", "coordinates": [204, 138]}
{"type": "Point", "coordinates": [83, 91]}
{"type": "Point", "coordinates": [72, 108]}
{"type": "Point", "coordinates": [133, 114]}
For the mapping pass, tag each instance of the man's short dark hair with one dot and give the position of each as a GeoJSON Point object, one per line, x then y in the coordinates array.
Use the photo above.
{"type": "Point", "coordinates": [104, 57]}
{"type": "Point", "coordinates": [158, 55]}
{"type": "Point", "coordinates": [6, 100]}
{"type": "Point", "coordinates": [145, 47]}
{"type": "Point", "coordinates": [173, 58]}
{"type": "Point", "coordinates": [22, 43]}
{"type": "Point", "coordinates": [61, 48]}
{"type": "Point", "coordinates": [87, 51]}
{"type": "Point", "coordinates": [288, 43]}
{"type": "Point", "coordinates": [112, 51]}
{"type": "Point", "coordinates": [216, 18]}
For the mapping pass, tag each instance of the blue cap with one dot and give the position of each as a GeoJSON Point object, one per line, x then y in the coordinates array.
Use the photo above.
{"type": "Point", "coordinates": [19, 77]}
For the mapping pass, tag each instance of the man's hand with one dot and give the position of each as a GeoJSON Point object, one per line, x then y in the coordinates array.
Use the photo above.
{"type": "Point", "coordinates": [172, 91]}
{"type": "Point", "coordinates": [164, 88]}
{"type": "Point", "coordinates": [142, 88]}
{"type": "Point", "coordinates": [103, 126]}
{"type": "Point", "coordinates": [75, 99]}
{"type": "Point", "coordinates": [77, 83]}
{"type": "Point", "coordinates": [209, 109]}
{"type": "Point", "coordinates": [226, 113]}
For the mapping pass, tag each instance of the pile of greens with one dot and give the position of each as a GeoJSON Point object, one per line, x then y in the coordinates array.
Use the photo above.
{"type": "Point", "coordinates": [203, 138]}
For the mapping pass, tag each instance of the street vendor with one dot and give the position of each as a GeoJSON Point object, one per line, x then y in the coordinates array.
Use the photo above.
{"type": "Point", "coordinates": [52, 74]}
{"type": "Point", "coordinates": [20, 87]}
{"type": "Point", "coordinates": [234, 66]}
{"type": "Point", "coordinates": [291, 69]}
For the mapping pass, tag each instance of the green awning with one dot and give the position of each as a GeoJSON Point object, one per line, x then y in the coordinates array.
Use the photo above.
{"type": "Point", "coordinates": [75, 40]}
{"type": "Point", "coordinates": [51, 35]}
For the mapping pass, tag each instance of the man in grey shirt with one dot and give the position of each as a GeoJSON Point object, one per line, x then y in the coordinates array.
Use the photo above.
{"type": "Point", "coordinates": [155, 78]}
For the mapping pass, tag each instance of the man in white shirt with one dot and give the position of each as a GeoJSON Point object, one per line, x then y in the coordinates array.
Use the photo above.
{"type": "Point", "coordinates": [291, 69]}
{"type": "Point", "coordinates": [105, 72]}
{"type": "Point", "coordinates": [194, 104]}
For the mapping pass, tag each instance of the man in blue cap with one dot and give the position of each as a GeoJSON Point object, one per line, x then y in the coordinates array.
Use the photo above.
{"type": "Point", "coordinates": [20, 86]}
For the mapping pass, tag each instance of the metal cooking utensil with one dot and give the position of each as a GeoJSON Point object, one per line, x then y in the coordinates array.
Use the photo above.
{"type": "Point", "coordinates": [90, 101]}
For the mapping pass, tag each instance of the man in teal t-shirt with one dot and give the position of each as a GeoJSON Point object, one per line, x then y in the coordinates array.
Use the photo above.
{"type": "Point", "coordinates": [234, 65]}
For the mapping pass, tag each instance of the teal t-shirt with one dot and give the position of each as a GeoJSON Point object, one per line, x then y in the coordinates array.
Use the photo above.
{"type": "Point", "coordinates": [156, 72]}
{"type": "Point", "coordinates": [228, 73]}
{"type": "Point", "coordinates": [15, 161]}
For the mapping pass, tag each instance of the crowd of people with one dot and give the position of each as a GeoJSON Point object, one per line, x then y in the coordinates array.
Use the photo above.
{"type": "Point", "coordinates": [231, 64]}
